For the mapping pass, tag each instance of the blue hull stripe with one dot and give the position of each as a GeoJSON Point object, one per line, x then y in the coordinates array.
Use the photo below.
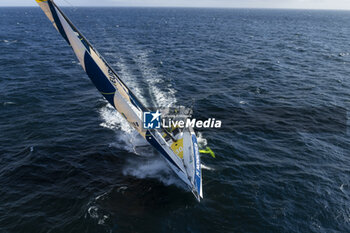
{"type": "Point", "coordinates": [197, 164]}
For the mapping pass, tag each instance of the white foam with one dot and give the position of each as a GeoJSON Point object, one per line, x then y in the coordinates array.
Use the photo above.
{"type": "Point", "coordinates": [102, 220]}
{"type": "Point", "coordinates": [202, 142]}
{"type": "Point", "coordinates": [127, 138]}
{"type": "Point", "coordinates": [101, 197]}
{"type": "Point", "coordinates": [130, 80]}
{"type": "Point", "coordinates": [154, 168]}
{"type": "Point", "coordinates": [93, 212]}
{"type": "Point", "coordinates": [9, 103]}
{"type": "Point", "coordinates": [122, 189]}
{"type": "Point", "coordinates": [114, 120]}
{"type": "Point", "coordinates": [10, 42]}
{"type": "Point", "coordinates": [207, 167]}
{"type": "Point", "coordinates": [164, 97]}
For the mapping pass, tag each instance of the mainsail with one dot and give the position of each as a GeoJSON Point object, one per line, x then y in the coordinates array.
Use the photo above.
{"type": "Point", "coordinates": [99, 71]}
{"type": "Point", "coordinates": [125, 102]}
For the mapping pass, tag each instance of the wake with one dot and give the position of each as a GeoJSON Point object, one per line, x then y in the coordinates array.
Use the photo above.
{"type": "Point", "coordinates": [149, 165]}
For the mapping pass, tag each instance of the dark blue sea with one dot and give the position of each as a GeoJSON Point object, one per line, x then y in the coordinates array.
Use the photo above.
{"type": "Point", "coordinates": [278, 79]}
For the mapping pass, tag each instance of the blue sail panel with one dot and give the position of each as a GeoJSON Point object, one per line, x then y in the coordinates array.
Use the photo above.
{"type": "Point", "coordinates": [57, 21]}
{"type": "Point", "coordinates": [98, 78]}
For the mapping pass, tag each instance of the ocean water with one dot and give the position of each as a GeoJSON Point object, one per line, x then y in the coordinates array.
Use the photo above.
{"type": "Point", "coordinates": [69, 163]}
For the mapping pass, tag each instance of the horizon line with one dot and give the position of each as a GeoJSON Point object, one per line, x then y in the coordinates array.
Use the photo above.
{"type": "Point", "coordinates": [205, 7]}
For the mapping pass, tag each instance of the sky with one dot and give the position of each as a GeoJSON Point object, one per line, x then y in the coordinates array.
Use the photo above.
{"type": "Point", "coordinates": [299, 4]}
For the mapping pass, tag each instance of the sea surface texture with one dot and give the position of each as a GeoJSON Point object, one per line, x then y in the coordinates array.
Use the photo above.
{"type": "Point", "coordinates": [278, 79]}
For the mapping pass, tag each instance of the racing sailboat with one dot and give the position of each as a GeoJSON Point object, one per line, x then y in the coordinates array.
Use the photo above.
{"type": "Point", "coordinates": [177, 146]}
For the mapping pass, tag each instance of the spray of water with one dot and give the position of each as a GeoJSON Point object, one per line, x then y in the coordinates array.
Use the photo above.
{"type": "Point", "coordinates": [150, 165]}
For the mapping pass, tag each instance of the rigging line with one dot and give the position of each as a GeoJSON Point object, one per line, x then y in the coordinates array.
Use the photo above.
{"type": "Point", "coordinates": [71, 5]}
